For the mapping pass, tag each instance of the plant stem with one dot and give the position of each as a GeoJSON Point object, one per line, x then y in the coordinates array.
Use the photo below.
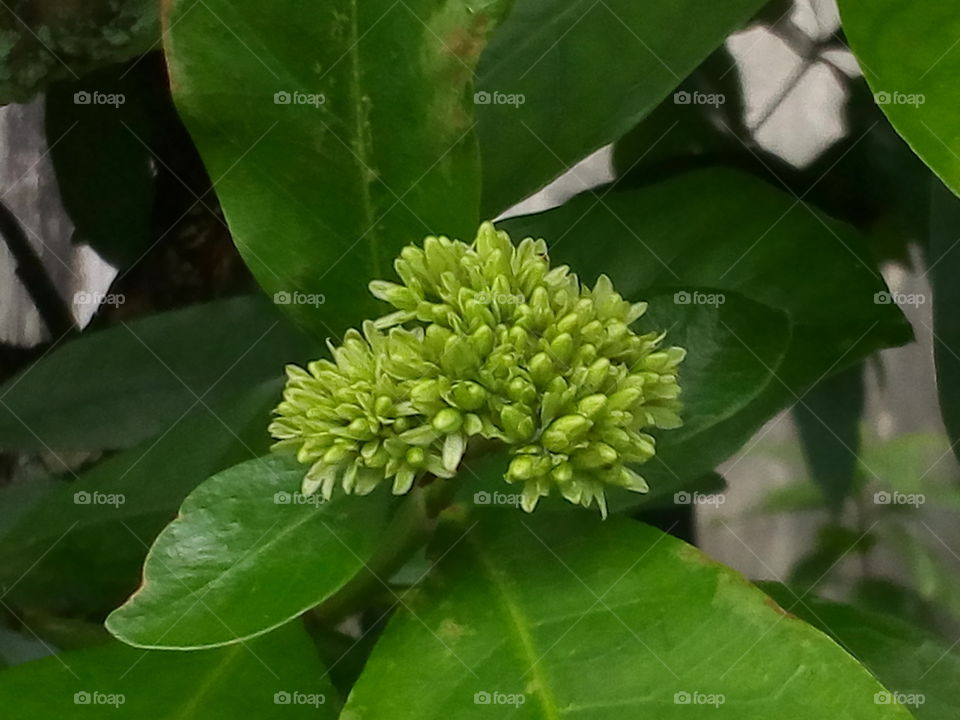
{"type": "Point", "coordinates": [410, 528]}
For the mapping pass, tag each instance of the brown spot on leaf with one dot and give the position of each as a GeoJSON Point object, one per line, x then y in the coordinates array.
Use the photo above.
{"type": "Point", "coordinates": [778, 608]}
{"type": "Point", "coordinates": [466, 43]}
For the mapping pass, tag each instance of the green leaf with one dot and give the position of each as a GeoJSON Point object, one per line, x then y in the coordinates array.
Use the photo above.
{"type": "Point", "coordinates": [113, 388]}
{"type": "Point", "coordinates": [829, 425]}
{"type": "Point", "coordinates": [676, 136]}
{"type": "Point", "coordinates": [944, 268]}
{"type": "Point", "coordinates": [552, 54]}
{"type": "Point", "coordinates": [907, 51]}
{"type": "Point", "coordinates": [65, 556]}
{"type": "Point", "coordinates": [254, 679]}
{"type": "Point", "coordinates": [734, 348]}
{"type": "Point", "coordinates": [97, 130]}
{"type": "Point", "coordinates": [245, 556]}
{"type": "Point", "coordinates": [335, 135]}
{"type": "Point", "coordinates": [566, 615]}
{"type": "Point", "coordinates": [729, 231]}
{"type": "Point", "coordinates": [912, 663]}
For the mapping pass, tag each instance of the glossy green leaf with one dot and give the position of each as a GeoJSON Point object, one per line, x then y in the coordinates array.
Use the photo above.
{"type": "Point", "coordinates": [678, 136]}
{"type": "Point", "coordinates": [734, 349]}
{"type": "Point", "coordinates": [918, 668]}
{"type": "Point", "coordinates": [247, 553]}
{"type": "Point", "coordinates": [551, 54]}
{"type": "Point", "coordinates": [729, 231]}
{"type": "Point", "coordinates": [335, 134]}
{"type": "Point", "coordinates": [557, 616]}
{"type": "Point", "coordinates": [113, 388]}
{"type": "Point", "coordinates": [276, 676]}
{"type": "Point", "coordinates": [78, 549]}
{"type": "Point", "coordinates": [908, 53]}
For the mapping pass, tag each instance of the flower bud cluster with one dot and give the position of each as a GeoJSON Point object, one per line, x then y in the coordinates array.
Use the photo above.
{"type": "Point", "coordinates": [486, 342]}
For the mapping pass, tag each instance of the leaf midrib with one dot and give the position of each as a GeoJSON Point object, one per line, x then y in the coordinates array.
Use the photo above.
{"type": "Point", "coordinates": [362, 151]}
{"type": "Point", "coordinates": [522, 626]}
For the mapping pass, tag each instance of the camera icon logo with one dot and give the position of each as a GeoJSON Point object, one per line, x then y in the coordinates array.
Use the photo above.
{"type": "Point", "coordinates": [282, 498]}
{"type": "Point", "coordinates": [282, 97]}
{"type": "Point", "coordinates": [82, 97]}
{"type": "Point", "coordinates": [481, 498]}
{"type": "Point", "coordinates": [882, 498]}
{"type": "Point", "coordinates": [282, 698]}
{"type": "Point", "coordinates": [682, 298]}
{"type": "Point", "coordinates": [81, 698]}
{"type": "Point", "coordinates": [481, 97]}
{"type": "Point", "coordinates": [682, 97]}
{"type": "Point", "coordinates": [481, 698]}
{"type": "Point", "coordinates": [81, 497]}
{"type": "Point", "coordinates": [681, 698]}
{"type": "Point", "coordinates": [682, 498]}
{"type": "Point", "coordinates": [282, 298]}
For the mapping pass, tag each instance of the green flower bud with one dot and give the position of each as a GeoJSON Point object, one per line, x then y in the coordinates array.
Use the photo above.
{"type": "Point", "coordinates": [447, 420]}
{"type": "Point", "coordinates": [517, 424]}
{"type": "Point", "coordinates": [522, 468]}
{"type": "Point", "coordinates": [565, 432]}
{"type": "Point", "coordinates": [562, 348]}
{"type": "Point", "coordinates": [541, 369]}
{"type": "Point", "coordinates": [469, 395]}
{"type": "Point", "coordinates": [416, 456]}
{"type": "Point", "coordinates": [592, 405]}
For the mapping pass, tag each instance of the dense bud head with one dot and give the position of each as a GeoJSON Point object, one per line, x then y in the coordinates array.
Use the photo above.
{"type": "Point", "coordinates": [486, 342]}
